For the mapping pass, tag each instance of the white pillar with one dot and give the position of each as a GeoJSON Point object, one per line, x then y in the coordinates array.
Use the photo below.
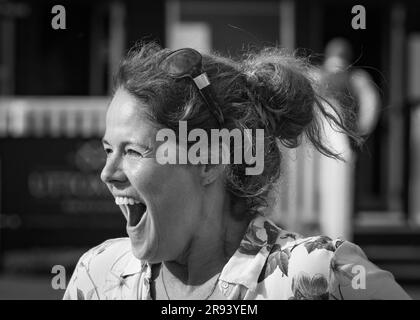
{"type": "Point", "coordinates": [336, 179]}
{"type": "Point", "coordinates": [287, 24]}
{"type": "Point", "coordinates": [396, 96]}
{"type": "Point", "coordinates": [116, 39]}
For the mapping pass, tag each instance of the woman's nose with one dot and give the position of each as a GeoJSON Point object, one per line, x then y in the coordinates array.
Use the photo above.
{"type": "Point", "coordinates": [112, 172]}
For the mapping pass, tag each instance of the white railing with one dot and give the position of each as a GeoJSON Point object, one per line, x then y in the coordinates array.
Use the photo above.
{"type": "Point", "coordinates": [297, 206]}
{"type": "Point", "coordinates": [315, 193]}
{"type": "Point", "coordinates": [52, 116]}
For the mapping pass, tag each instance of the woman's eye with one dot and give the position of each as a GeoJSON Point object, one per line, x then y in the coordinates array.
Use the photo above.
{"type": "Point", "coordinates": [108, 151]}
{"type": "Point", "coordinates": [134, 153]}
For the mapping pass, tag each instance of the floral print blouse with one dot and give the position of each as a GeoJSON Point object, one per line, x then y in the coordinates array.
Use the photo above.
{"type": "Point", "coordinates": [270, 263]}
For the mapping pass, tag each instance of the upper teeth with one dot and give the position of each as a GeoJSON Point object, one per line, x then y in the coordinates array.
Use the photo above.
{"type": "Point", "coordinates": [125, 200]}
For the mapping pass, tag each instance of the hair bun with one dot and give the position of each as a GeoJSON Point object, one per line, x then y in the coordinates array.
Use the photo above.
{"type": "Point", "coordinates": [282, 91]}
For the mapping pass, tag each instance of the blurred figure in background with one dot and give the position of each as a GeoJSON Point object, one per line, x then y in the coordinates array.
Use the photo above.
{"type": "Point", "coordinates": [354, 89]}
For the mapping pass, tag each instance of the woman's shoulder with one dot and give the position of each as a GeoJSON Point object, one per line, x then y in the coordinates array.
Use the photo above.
{"type": "Point", "coordinates": [112, 257]}
{"type": "Point", "coordinates": [105, 253]}
{"type": "Point", "coordinates": [319, 267]}
{"type": "Point", "coordinates": [309, 255]}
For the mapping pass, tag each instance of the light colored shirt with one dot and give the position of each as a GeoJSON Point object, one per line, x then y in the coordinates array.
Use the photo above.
{"type": "Point", "coordinates": [270, 263]}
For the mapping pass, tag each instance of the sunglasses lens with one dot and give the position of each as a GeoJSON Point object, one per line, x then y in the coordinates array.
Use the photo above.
{"type": "Point", "coordinates": [188, 63]}
{"type": "Point", "coordinates": [182, 62]}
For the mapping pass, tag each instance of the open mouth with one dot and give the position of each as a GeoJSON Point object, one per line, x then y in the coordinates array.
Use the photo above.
{"type": "Point", "coordinates": [133, 210]}
{"type": "Point", "coordinates": [135, 213]}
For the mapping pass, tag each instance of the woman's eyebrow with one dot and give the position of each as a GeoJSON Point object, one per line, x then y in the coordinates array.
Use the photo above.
{"type": "Point", "coordinates": [105, 142]}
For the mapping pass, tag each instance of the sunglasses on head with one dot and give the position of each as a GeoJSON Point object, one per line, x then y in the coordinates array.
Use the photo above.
{"type": "Point", "coordinates": [187, 63]}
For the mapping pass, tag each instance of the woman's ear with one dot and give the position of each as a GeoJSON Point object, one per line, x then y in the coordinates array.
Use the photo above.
{"type": "Point", "coordinates": [217, 160]}
{"type": "Point", "coordinates": [210, 173]}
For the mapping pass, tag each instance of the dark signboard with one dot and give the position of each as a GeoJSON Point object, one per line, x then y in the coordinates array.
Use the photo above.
{"type": "Point", "coordinates": [52, 195]}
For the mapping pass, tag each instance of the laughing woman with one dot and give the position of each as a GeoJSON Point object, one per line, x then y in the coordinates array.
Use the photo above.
{"type": "Point", "coordinates": [198, 230]}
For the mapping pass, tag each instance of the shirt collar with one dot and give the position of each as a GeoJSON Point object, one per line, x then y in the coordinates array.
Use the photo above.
{"type": "Point", "coordinates": [134, 266]}
{"type": "Point", "coordinates": [246, 264]}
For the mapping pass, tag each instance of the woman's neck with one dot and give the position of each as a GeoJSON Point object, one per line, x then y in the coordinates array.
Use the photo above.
{"type": "Point", "coordinates": [215, 241]}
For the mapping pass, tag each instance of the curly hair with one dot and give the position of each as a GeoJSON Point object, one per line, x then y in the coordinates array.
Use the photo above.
{"type": "Point", "coordinates": [268, 89]}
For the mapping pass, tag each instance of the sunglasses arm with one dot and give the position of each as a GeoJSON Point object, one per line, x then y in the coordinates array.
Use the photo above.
{"type": "Point", "coordinates": [207, 95]}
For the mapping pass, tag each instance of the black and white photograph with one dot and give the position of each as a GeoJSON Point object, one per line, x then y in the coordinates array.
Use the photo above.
{"type": "Point", "coordinates": [209, 150]}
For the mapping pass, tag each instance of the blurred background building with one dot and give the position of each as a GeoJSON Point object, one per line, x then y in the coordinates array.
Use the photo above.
{"type": "Point", "coordinates": [55, 86]}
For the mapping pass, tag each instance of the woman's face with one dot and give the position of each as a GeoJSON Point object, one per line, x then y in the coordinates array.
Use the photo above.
{"type": "Point", "coordinates": [162, 203]}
